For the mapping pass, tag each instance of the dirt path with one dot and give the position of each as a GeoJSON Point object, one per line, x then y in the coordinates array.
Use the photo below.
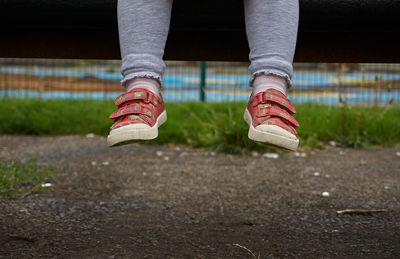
{"type": "Point", "coordinates": [128, 202]}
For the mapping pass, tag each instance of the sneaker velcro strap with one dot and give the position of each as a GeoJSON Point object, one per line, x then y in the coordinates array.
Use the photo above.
{"type": "Point", "coordinates": [277, 112]}
{"type": "Point", "coordinates": [134, 108]}
{"type": "Point", "coordinates": [137, 94]}
{"type": "Point", "coordinates": [278, 122]}
{"type": "Point", "coordinates": [274, 96]}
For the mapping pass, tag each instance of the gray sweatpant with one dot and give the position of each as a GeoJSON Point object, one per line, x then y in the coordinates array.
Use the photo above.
{"type": "Point", "coordinates": [271, 27]}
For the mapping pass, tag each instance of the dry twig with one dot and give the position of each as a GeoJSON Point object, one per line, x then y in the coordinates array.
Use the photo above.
{"type": "Point", "coordinates": [358, 211]}
{"type": "Point", "coordinates": [248, 250]}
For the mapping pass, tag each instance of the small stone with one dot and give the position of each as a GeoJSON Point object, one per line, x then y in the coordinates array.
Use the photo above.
{"type": "Point", "coordinates": [300, 154]}
{"type": "Point", "coordinates": [46, 185]}
{"type": "Point", "coordinates": [166, 158]}
{"type": "Point", "coordinates": [397, 153]}
{"type": "Point", "coordinates": [183, 154]}
{"type": "Point", "coordinates": [178, 149]}
{"type": "Point", "coordinates": [387, 187]}
{"type": "Point", "coordinates": [159, 153]}
{"type": "Point", "coordinates": [271, 155]}
{"type": "Point", "coordinates": [363, 162]}
{"type": "Point", "coordinates": [317, 173]}
{"type": "Point", "coordinates": [304, 218]}
{"type": "Point", "coordinates": [185, 172]}
{"type": "Point", "coordinates": [213, 153]}
{"type": "Point", "coordinates": [333, 143]}
{"type": "Point", "coordinates": [255, 154]}
{"type": "Point", "coordinates": [94, 163]}
{"type": "Point", "coordinates": [325, 194]}
{"type": "Point", "coordinates": [106, 163]}
{"type": "Point", "coordinates": [90, 135]}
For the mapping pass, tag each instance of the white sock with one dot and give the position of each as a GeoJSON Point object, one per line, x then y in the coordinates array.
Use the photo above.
{"type": "Point", "coordinates": [143, 82]}
{"type": "Point", "coordinates": [263, 82]}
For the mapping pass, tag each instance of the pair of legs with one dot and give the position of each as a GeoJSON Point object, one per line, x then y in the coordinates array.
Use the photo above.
{"type": "Point", "coordinates": [271, 27]}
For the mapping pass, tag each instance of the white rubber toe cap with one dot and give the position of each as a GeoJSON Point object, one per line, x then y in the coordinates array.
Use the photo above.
{"type": "Point", "coordinates": [275, 130]}
{"type": "Point", "coordinates": [135, 126]}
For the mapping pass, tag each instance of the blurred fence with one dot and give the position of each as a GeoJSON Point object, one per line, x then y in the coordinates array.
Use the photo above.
{"type": "Point", "coordinates": [366, 84]}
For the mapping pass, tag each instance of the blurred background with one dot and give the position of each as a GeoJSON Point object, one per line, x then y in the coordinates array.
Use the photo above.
{"type": "Point", "coordinates": [323, 83]}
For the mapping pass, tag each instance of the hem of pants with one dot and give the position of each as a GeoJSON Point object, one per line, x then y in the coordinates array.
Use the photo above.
{"type": "Point", "coordinates": [271, 72]}
{"type": "Point", "coordinates": [151, 75]}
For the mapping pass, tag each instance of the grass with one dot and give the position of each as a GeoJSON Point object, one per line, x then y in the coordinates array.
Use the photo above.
{"type": "Point", "coordinates": [19, 179]}
{"type": "Point", "coordinates": [219, 126]}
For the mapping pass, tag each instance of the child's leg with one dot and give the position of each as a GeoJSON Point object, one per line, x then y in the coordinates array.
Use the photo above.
{"type": "Point", "coordinates": [271, 27]}
{"type": "Point", "coordinates": [143, 30]}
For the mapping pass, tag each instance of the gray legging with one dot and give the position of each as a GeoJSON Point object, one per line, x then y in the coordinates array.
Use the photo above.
{"type": "Point", "coordinates": [271, 27]}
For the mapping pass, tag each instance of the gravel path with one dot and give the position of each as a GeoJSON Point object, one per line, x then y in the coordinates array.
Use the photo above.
{"type": "Point", "coordinates": [148, 201]}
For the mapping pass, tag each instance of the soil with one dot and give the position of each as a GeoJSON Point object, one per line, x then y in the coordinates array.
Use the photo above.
{"type": "Point", "coordinates": [149, 201]}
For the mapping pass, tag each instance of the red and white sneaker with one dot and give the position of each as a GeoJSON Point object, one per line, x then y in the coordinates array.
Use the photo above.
{"type": "Point", "coordinates": [269, 115]}
{"type": "Point", "coordinates": [140, 113]}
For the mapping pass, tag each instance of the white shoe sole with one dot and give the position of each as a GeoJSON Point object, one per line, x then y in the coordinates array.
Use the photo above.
{"type": "Point", "coordinates": [271, 134]}
{"type": "Point", "coordinates": [134, 132]}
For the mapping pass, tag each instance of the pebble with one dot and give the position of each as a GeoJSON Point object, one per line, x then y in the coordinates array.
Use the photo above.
{"type": "Point", "coordinates": [90, 135]}
{"type": "Point", "coordinates": [213, 153]}
{"type": "Point", "coordinates": [317, 173]}
{"type": "Point", "coordinates": [94, 163]}
{"type": "Point", "coordinates": [397, 153]}
{"type": "Point", "coordinates": [333, 143]}
{"type": "Point", "coordinates": [271, 155]}
{"type": "Point", "coordinates": [159, 153]}
{"type": "Point", "coordinates": [183, 154]}
{"type": "Point", "coordinates": [298, 154]}
{"type": "Point", "coordinates": [106, 163]}
{"type": "Point", "coordinates": [178, 149]}
{"type": "Point", "coordinates": [387, 187]}
{"type": "Point", "coordinates": [166, 158]}
{"type": "Point", "coordinates": [325, 194]}
{"type": "Point", "coordinates": [47, 185]}
{"type": "Point", "coordinates": [254, 154]}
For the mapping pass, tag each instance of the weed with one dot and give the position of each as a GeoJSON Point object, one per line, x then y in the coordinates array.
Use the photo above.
{"type": "Point", "coordinates": [19, 179]}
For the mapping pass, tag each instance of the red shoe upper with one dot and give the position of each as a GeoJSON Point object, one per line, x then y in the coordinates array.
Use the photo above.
{"type": "Point", "coordinates": [272, 107]}
{"type": "Point", "coordinates": [137, 106]}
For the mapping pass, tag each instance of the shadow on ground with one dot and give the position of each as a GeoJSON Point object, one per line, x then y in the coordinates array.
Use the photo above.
{"type": "Point", "coordinates": [148, 201]}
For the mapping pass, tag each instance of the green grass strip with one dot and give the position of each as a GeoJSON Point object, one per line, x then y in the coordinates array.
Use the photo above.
{"type": "Point", "coordinates": [219, 126]}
